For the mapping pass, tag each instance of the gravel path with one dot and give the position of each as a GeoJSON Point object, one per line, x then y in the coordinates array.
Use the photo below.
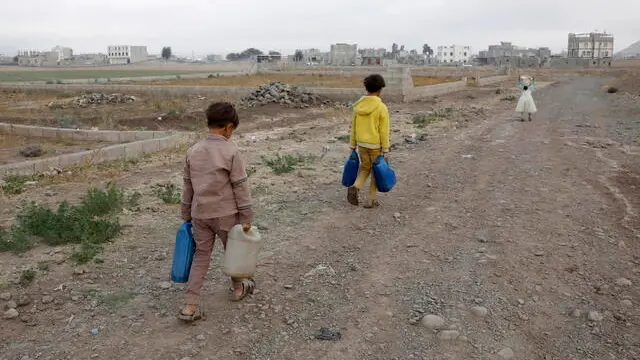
{"type": "Point", "coordinates": [502, 240]}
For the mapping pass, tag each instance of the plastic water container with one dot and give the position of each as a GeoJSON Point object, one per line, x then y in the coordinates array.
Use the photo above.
{"type": "Point", "coordinates": [183, 254]}
{"type": "Point", "coordinates": [384, 175]}
{"type": "Point", "coordinates": [241, 254]}
{"type": "Point", "coordinates": [351, 167]}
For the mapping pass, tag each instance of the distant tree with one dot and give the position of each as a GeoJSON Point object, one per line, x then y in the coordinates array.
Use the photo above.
{"type": "Point", "coordinates": [246, 54]}
{"type": "Point", "coordinates": [272, 52]}
{"type": "Point", "coordinates": [427, 50]}
{"type": "Point", "coordinates": [233, 56]}
{"type": "Point", "coordinates": [166, 53]}
{"type": "Point", "coordinates": [298, 56]}
{"type": "Point", "coordinates": [401, 47]}
{"type": "Point", "coordinates": [15, 59]}
{"type": "Point", "coordinates": [394, 50]}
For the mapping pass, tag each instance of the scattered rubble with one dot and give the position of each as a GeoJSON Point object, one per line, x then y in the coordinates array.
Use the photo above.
{"type": "Point", "coordinates": [276, 92]}
{"type": "Point", "coordinates": [86, 100]}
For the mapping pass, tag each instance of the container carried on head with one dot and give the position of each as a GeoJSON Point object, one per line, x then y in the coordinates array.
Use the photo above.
{"type": "Point", "coordinates": [526, 80]}
{"type": "Point", "coordinates": [241, 254]}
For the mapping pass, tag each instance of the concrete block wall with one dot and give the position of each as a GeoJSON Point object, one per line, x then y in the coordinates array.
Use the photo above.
{"type": "Point", "coordinates": [109, 153]}
{"type": "Point", "coordinates": [110, 136]}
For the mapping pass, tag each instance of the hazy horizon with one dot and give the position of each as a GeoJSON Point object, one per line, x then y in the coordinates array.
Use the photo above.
{"type": "Point", "coordinates": [200, 27]}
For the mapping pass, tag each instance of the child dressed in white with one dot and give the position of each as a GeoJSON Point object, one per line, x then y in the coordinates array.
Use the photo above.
{"type": "Point", "coordinates": [526, 103]}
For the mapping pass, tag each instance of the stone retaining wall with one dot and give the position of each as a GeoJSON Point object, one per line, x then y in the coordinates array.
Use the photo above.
{"type": "Point", "coordinates": [111, 136]}
{"type": "Point", "coordinates": [109, 153]}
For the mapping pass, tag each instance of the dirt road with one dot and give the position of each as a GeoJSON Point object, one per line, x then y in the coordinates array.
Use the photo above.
{"type": "Point", "coordinates": [522, 237]}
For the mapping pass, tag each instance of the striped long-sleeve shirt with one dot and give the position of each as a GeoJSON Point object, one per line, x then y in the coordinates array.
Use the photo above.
{"type": "Point", "coordinates": [215, 182]}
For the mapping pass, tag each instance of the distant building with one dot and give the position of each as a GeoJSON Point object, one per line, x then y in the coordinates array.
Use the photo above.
{"type": "Point", "coordinates": [507, 54]}
{"type": "Point", "coordinates": [34, 58]}
{"type": "Point", "coordinates": [64, 53]}
{"type": "Point", "coordinates": [126, 54]}
{"type": "Point", "coordinates": [372, 57]}
{"type": "Point", "coordinates": [590, 45]}
{"type": "Point", "coordinates": [213, 58]}
{"type": "Point", "coordinates": [268, 58]}
{"type": "Point", "coordinates": [343, 54]}
{"type": "Point", "coordinates": [314, 56]}
{"type": "Point", "coordinates": [457, 54]}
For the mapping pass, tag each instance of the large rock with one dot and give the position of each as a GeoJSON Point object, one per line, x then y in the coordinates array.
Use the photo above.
{"type": "Point", "coordinates": [433, 322]}
{"type": "Point", "coordinates": [276, 92]}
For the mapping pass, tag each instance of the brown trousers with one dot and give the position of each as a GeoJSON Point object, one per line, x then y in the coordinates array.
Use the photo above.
{"type": "Point", "coordinates": [367, 158]}
{"type": "Point", "coordinates": [204, 234]}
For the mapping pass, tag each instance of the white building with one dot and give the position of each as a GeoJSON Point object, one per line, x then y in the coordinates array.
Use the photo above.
{"type": "Point", "coordinates": [64, 53]}
{"type": "Point", "coordinates": [592, 45]}
{"type": "Point", "coordinates": [126, 54]}
{"type": "Point", "coordinates": [458, 54]}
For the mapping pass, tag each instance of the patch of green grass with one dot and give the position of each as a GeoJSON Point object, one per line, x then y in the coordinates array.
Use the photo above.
{"type": "Point", "coordinates": [133, 201]}
{"type": "Point", "coordinates": [284, 164]}
{"type": "Point", "coordinates": [27, 276]}
{"type": "Point", "coordinates": [88, 224]}
{"type": "Point", "coordinates": [15, 184]}
{"type": "Point", "coordinates": [422, 120]}
{"type": "Point", "coordinates": [509, 98]}
{"type": "Point", "coordinates": [169, 193]}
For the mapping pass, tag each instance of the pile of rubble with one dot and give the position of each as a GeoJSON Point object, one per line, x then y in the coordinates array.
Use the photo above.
{"type": "Point", "coordinates": [86, 100]}
{"type": "Point", "coordinates": [276, 92]}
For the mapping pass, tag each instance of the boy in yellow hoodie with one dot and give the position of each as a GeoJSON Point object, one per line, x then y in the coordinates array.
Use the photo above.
{"type": "Point", "coordinates": [370, 135]}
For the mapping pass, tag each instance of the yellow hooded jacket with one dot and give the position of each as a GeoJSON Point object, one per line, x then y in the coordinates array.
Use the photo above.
{"type": "Point", "coordinates": [370, 125]}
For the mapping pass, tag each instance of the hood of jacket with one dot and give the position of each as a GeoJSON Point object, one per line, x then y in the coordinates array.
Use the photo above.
{"type": "Point", "coordinates": [367, 105]}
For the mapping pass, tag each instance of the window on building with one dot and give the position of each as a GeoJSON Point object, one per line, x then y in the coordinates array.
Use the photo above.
{"type": "Point", "coordinates": [451, 54]}
{"type": "Point", "coordinates": [465, 54]}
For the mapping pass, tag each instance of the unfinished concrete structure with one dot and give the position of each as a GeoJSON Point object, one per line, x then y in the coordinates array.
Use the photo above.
{"type": "Point", "coordinates": [592, 45]}
{"type": "Point", "coordinates": [343, 54]}
{"type": "Point", "coordinates": [126, 54]}
{"type": "Point", "coordinates": [507, 54]}
{"type": "Point", "coordinates": [34, 58]}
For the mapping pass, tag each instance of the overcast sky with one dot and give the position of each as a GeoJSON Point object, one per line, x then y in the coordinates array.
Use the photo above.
{"type": "Point", "coordinates": [222, 26]}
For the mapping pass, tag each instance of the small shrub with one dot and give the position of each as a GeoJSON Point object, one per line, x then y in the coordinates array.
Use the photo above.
{"type": "Point", "coordinates": [251, 171]}
{"type": "Point", "coordinates": [88, 224]}
{"type": "Point", "coordinates": [14, 240]}
{"type": "Point", "coordinates": [509, 98]}
{"type": "Point", "coordinates": [27, 276]}
{"type": "Point", "coordinates": [283, 164]}
{"type": "Point", "coordinates": [59, 82]}
{"type": "Point", "coordinates": [85, 252]}
{"type": "Point", "coordinates": [210, 76]}
{"type": "Point", "coordinates": [178, 77]}
{"type": "Point", "coordinates": [168, 193]}
{"type": "Point", "coordinates": [50, 82]}
{"type": "Point", "coordinates": [612, 90]}
{"type": "Point", "coordinates": [15, 184]}
{"type": "Point", "coordinates": [133, 201]}
{"type": "Point", "coordinates": [116, 300]}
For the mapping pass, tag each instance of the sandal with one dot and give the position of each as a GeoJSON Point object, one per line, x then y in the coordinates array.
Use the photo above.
{"type": "Point", "coordinates": [197, 315]}
{"type": "Point", "coordinates": [371, 204]}
{"type": "Point", "coordinates": [248, 285]}
{"type": "Point", "coordinates": [352, 196]}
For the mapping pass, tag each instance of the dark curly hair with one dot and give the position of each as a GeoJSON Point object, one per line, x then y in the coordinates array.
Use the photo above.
{"type": "Point", "coordinates": [374, 83]}
{"type": "Point", "coordinates": [221, 114]}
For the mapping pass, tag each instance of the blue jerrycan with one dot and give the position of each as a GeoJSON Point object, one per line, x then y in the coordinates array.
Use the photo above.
{"type": "Point", "coordinates": [351, 167]}
{"type": "Point", "coordinates": [384, 175]}
{"type": "Point", "coordinates": [183, 254]}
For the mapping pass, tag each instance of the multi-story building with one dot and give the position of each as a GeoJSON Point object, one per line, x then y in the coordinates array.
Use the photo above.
{"type": "Point", "coordinates": [314, 56]}
{"type": "Point", "coordinates": [64, 53]}
{"type": "Point", "coordinates": [126, 54]}
{"type": "Point", "coordinates": [343, 54]}
{"type": "Point", "coordinates": [457, 54]}
{"type": "Point", "coordinates": [590, 45]}
{"type": "Point", "coordinates": [506, 53]}
{"type": "Point", "coordinates": [34, 58]}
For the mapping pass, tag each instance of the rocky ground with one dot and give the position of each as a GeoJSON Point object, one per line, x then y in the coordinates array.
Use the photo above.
{"type": "Point", "coordinates": [502, 240]}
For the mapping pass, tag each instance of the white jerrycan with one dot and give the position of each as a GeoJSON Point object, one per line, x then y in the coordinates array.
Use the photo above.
{"type": "Point", "coordinates": [241, 254]}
